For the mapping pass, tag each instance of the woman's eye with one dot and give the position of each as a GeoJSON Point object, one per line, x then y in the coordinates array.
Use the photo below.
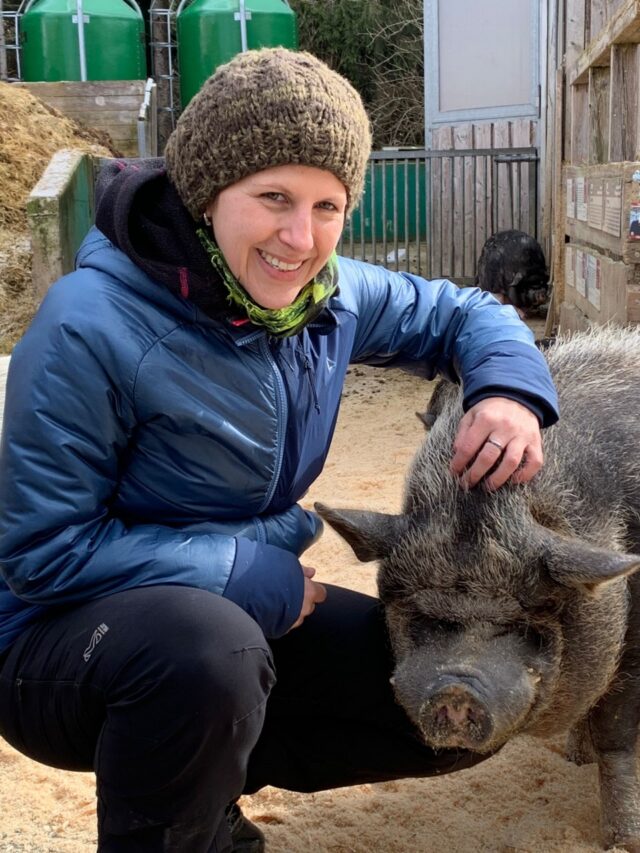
{"type": "Point", "coordinates": [327, 205]}
{"type": "Point", "coordinates": [274, 196]}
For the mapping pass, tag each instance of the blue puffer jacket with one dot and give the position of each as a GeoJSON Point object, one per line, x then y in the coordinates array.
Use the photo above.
{"type": "Point", "coordinates": [147, 443]}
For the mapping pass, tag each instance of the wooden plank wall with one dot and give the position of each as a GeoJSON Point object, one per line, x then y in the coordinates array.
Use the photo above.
{"type": "Point", "coordinates": [624, 103]}
{"type": "Point", "coordinates": [107, 105]}
{"type": "Point", "coordinates": [601, 177]}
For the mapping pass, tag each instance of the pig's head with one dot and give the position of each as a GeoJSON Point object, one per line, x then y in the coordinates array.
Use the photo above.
{"type": "Point", "coordinates": [478, 595]}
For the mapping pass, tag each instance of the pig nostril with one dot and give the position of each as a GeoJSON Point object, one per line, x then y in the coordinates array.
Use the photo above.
{"type": "Point", "coordinates": [454, 717]}
{"type": "Point", "coordinates": [441, 715]}
{"type": "Point", "coordinates": [459, 716]}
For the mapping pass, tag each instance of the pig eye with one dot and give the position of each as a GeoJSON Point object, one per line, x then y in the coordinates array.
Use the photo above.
{"type": "Point", "coordinates": [533, 637]}
{"type": "Point", "coordinates": [525, 632]}
{"type": "Point", "coordinates": [443, 626]}
{"type": "Point", "coordinates": [424, 626]}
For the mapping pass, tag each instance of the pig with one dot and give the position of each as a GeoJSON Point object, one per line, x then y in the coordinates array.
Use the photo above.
{"type": "Point", "coordinates": [512, 266]}
{"type": "Point", "coordinates": [441, 389]}
{"type": "Point", "coordinates": [518, 611]}
{"type": "Point", "coordinates": [436, 400]}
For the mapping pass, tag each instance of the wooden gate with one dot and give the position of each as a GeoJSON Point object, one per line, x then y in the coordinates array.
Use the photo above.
{"type": "Point", "coordinates": [430, 212]}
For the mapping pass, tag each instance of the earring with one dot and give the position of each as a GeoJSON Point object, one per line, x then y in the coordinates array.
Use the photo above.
{"type": "Point", "coordinates": [207, 221]}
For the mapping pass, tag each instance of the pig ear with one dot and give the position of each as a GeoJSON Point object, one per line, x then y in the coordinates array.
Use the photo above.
{"type": "Point", "coordinates": [372, 535]}
{"type": "Point", "coordinates": [575, 563]}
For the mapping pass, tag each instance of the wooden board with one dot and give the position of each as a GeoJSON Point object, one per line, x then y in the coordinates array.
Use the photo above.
{"type": "Point", "coordinates": [623, 118]}
{"type": "Point", "coordinates": [112, 106]}
{"type": "Point", "coordinates": [623, 27]}
{"type": "Point", "coordinates": [613, 188]}
{"type": "Point", "coordinates": [598, 124]}
{"type": "Point", "coordinates": [579, 134]}
{"type": "Point", "coordinates": [602, 289]}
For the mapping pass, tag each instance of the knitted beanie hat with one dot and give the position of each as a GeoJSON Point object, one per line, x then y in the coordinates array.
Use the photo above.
{"type": "Point", "coordinates": [268, 107]}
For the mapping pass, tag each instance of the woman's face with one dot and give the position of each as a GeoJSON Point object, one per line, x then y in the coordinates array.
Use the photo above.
{"type": "Point", "coordinates": [277, 229]}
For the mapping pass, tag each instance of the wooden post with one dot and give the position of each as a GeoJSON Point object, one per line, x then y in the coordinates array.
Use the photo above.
{"type": "Point", "coordinates": [624, 112]}
{"type": "Point", "coordinates": [575, 28]}
{"type": "Point", "coordinates": [60, 211]}
{"type": "Point", "coordinates": [598, 113]}
{"type": "Point", "coordinates": [557, 267]}
{"type": "Point", "coordinates": [4, 74]}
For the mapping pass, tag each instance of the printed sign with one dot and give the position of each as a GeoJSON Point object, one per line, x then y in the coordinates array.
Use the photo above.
{"type": "Point", "coordinates": [595, 207]}
{"type": "Point", "coordinates": [613, 206]}
{"type": "Point", "coordinates": [569, 260]}
{"type": "Point", "coordinates": [593, 281]}
{"type": "Point", "coordinates": [580, 272]}
{"type": "Point", "coordinates": [581, 199]}
{"type": "Point", "coordinates": [634, 222]}
{"type": "Point", "coordinates": [571, 199]}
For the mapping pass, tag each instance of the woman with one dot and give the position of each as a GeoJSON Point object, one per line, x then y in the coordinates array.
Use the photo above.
{"type": "Point", "coordinates": [172, 401]}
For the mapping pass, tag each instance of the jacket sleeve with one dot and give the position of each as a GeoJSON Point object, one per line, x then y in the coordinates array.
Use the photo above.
{"type": "Point", "coordinates": [68, 422]}
{"type": "Point", "coordinates": [435, 327]}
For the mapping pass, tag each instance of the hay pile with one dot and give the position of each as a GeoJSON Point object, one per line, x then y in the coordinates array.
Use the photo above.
{"type": "Point", "coordinates": [30, 133]}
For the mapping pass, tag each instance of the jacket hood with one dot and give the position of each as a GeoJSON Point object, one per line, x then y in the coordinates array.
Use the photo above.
{"type": "Point", "coordinates": [140, 212]}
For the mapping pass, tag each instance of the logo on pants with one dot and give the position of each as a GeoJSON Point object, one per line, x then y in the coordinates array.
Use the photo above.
{"type": "Point", "coordinates": [97, 635]}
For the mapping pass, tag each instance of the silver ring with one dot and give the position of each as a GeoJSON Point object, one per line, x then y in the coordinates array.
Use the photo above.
{"type": "Point", "coordinates": [495, 443]}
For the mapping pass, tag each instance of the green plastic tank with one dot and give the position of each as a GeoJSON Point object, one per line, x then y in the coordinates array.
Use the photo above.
{"type": "Point", "coordinates": [210, 33]}
{"type": "Point", "coordinates": [112, 34]}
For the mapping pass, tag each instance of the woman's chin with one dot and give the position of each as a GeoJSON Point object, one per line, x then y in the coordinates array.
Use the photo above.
{"type": "Point", "coordinates": [282, 298]}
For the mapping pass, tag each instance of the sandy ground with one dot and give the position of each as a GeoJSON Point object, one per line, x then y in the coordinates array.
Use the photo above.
{"type": "Point", "coordinates": [526, 799]}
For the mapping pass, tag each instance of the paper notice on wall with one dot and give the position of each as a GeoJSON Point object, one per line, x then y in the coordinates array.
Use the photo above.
{"type": "Point", "coordinates": [595, 204]}
{"type": "Point", "coordinates": [571, 199]}
{"type": "Point", "coordinates": [613, 206]}
{"type": "Point", "coordinates": [579, 271]}
{"type": "Point", "coordinates": [634, 222]}
{"type": "Point", "coordinates": [569, 260]}
{"type": "Point", "coordinates": [593, 281]}
{"type": "Point", "coordinates": [581, 199]}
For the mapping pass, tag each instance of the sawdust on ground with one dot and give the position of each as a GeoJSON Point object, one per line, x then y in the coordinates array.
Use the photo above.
{"type": "Point", "coordinates": [526, 799]}
{"type": "Point", "coordinates": [30, 134]}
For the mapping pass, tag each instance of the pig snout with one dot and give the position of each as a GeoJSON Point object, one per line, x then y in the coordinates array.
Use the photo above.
{"type": "Point", "coordinates": [455, 715]}
{"type": "Point", "coordinates": [467, 707]}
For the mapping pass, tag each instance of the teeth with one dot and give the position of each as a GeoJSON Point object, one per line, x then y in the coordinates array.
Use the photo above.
{"type": "Point", "coordinates": [280, 265]}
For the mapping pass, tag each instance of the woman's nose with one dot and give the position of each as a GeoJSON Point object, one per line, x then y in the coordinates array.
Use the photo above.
{"type": "Point", "coordinates": [297, 231]}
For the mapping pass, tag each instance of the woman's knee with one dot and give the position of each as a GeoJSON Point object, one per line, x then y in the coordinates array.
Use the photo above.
{"type": "Point", "coordinates": [202, 651]}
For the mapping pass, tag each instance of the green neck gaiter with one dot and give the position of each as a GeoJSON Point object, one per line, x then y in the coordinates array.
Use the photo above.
{"type": "Point", "coordinates": [280, 322]}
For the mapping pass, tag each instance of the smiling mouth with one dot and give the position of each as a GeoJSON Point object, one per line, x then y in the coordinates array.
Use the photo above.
{"type": "Point", "coordinates": [277, 264]}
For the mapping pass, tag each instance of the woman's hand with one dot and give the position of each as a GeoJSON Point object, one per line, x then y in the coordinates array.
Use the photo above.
{"type": "Point", "coordinates": [314, 593]}
{"type": "Point", "coordinates": [501, 436]}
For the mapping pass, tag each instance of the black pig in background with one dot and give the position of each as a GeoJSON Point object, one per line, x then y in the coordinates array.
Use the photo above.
{"type": "Point", "coordinates": [512, 266]}
{"type": "Point", "coordinates": [518, 611]}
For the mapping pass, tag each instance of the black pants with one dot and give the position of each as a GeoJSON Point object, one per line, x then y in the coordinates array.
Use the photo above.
{"type": "Point", "coordinates": [163, 692]}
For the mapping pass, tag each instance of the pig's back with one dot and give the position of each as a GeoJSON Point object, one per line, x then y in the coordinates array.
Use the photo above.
{"type": "Point", "coordinates": [594, 450]}
{"type": "Point", "coordinates": [590, 482]}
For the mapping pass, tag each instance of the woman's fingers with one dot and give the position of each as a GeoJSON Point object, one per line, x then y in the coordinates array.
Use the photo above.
{"type": "Point", "coordinates": [314, 593]}
{"type": "Point", "coordinates": [498, 439]}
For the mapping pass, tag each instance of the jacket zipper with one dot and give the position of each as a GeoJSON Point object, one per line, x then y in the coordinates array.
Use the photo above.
{"type": "Point", "coordinates": [308, 369]}
{"type": "Point", "coordinates": [281, 412]}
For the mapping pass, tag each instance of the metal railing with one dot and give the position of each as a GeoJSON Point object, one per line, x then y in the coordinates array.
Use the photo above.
{"type": "Point", "coordinates": [10, 57]}
{"type": "Point", "coordinates": [430, 212]}
{"type": "Point", "coordinates": [163, 51]}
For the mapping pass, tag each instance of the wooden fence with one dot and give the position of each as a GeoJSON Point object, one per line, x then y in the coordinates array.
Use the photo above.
{"type": "Point", "coordinates": [427, 212]}
{"type": "Point", "coordinates": [430, 212]}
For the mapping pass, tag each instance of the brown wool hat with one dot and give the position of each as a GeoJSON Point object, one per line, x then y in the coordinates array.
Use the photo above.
{"type": "Point", "coordinates": [268, 107]}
